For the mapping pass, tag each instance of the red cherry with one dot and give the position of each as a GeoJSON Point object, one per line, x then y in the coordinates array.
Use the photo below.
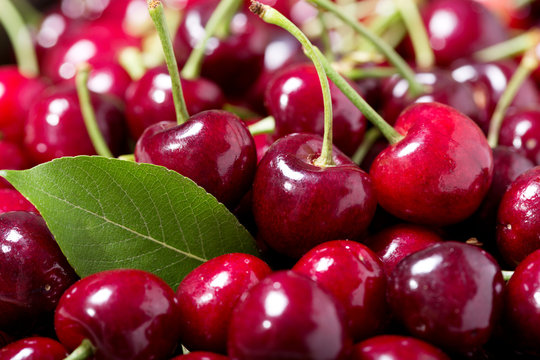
{"type": "Point", "coordinates": [13, 156]}
{"type": "Point", "coordinates": [394, 347]}
{"type": "Point", "coordinates": [34, 348]}
{"type": "Point", "coordinates": [200, 355]}
{"type": "Point", "coordinates": [521, 130]}
{"type": "Point", "coordinates": [12, 200]}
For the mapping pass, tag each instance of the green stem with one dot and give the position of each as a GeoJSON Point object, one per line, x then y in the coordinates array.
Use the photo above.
{"type": "Point", "coordinates": [132, 61]}
{"type": "Point", "coordinates": [220, 16]}
{"type": "Point", "coordinates": [155, 7]}
{"type": "Point", "coordinates": [528, 64]}
{"type": "Point", "coordinates": [85, 351]}
{"type": "Point", "coordinates": [263, 126]}
{"type": "Point", "coordinates": [371, 136]}
{"type": "Point", "coordinates": [127, 157]}
{"type": "Point", "coordinates": [20, 38]}
{"type": "Point", "coordinates": [242, 112]}
{"type": "Point", "coordinates": [88, 113]}
{"type": "Point", "coordinates": [272, 16]}
{"type": "Point", "coordinates": [367, 73]}
{"type": "Point", "coordinates": [325, 38]}
{"type": "Point", "coordinates": [509, 48]}
{"type": "Point", "coordinates": [29, 12]}
{"type": "Point", "coordinates": [425, 59]}
{"type": "Point", "coordinates": [507, 274]}
{"type": "Point", "coordinates": [393, 57]}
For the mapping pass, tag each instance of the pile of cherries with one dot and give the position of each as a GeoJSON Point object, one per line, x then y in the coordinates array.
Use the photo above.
{"type": "Point", "coordinates": [395, 255]}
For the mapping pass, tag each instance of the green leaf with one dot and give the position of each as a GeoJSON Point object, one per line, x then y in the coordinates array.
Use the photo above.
{"type": "Point", "coordinates": [108, 214]}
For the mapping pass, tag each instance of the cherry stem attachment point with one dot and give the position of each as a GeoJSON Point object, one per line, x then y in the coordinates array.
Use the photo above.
{"type": "Point", "coordinates": [20, 38]}
{"type": "Point", "coordinates": [371, 136]}
{"type": "Point", "coordinates": [155, 8]}
{"type": "Point", "coordinates": [263, 126]}
{"type": "Point", "coordinates": [85, 351]}
{"type": "Point", "coordinates": [272, 16]}
{"type": "Point", "coordinates": [528, 64]}
{"type": "Point", "coordinates": [88, 113]}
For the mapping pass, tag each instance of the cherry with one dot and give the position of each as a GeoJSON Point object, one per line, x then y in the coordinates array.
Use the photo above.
{"type": "Point", "coordinates": [125, 314]}
{"type": "Point", "coordinates": [355, 276]}
{"type": "Point", "coordinates": [208, 294]}
{"type": "Point", "coordinates": [34, 348]}
{"type": "Point", "coordinates": [288, 316]}
{"type": "Point", "coordinates": [149, 99]}
{"type": "Point", "coordinates": [518, 221]}
{"type": "Point", "coordinates": [298, 205]}
{"type": "Point", "coordinates": [13, 156]}
{"type": "Point", "coordinates": [213, 148]}
{"type": "Point", "coordinates": [394, 347]}
{"type": "Point", "coordinates": [294, 99]}
{"type": "Point", "coordinates": [521, 129]}
{"type": "Point", "coordinates": [450, 294]}
{"type": "Point", "coordinates": [35, 272]}
{"type": "Point", "coordinates": [200, 355]}
{"type": "Point", "coordinates": [12, 200]}
{"type": "Point", "coordinates": [55, 126]}
{"type": "Point", "coordinates": [395, 243]}
{"type": "Point", "coordinates": [444, 166]}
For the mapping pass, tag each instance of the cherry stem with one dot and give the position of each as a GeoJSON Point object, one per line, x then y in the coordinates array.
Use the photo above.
{"type": "Point", "coordinates": [263, 126]}
{"type": "Point", "coordinates": [425, 59]}
{"type": "Point", "coordinates": [509, 48]}
{"type": "Point", "coordinates": [528, 64]}
{"type": "Point", "coordinates": [241, 111]}
{"type": "Point", "coordinates": [393, 57]}
{"type": "Point", "coordinates": [20, 38]}
{"type": "Point", "coordinates": [85, 351]}
{"type": "Point", "coordinates": [155, 7]}
{"type": "Point", "coordinates": [507, 274]}
{"type": "Point", "coordinates": [192, 67]}
{"type": "Point", "coordinates": [127, 157]}
{"type": "Point", "coordinates": [131, 60]}
{"type": "Point", "coordinates": [29, 12]}
{"type": "Point", "coordinates": [272, 16]}
{"type": "Point", "coordinates": [325, 38]}
{"type": "Point", "coordinates": [371, 136]}
{"type": "Point", "coordinates": [369, 73]}
{"type": "Point", "coordinates": [88, 113]}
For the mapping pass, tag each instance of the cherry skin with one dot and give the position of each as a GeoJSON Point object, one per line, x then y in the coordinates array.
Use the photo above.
{"type": "Point", "coordinates": [298, 205]}
{"type": "Point", "coordinates": [207, 296]}
{"type": "Point", "coordinates": [12, 200]}
{"type": "Point", "coordinates": [521, 129]}
{"type": "Point", "coordinates": [13, 156]}
{"type": "Point", "coordinates": [35, 272]}
{"type": "Point", "coordinates": [149, 99]}
{"type": "Point", "coordinates": [397, 242]}
{"type": "Point", "coordinates": [200, 355]}
{"type": "Point", "coordinates": [355, 276]}
{"type": "Point", "coordinates": [213, 148]}
{"type": "Point", "coordinates": [294, 99]}
{"type": "Point", "coordinates": [288, 316]}
{"type": "Point", "coordinates": [126, 314]}
{"type": "Point", "coordinates": [518, 220]}
{"type": "Point", "coordinates": [34, 348]}
{"type": "Point", "coordinates": [394, 347]}
{"type": "Point", "coordinates": [55, 126]}
{"type": "Point", "coordinates": [444, 166]}
{"type": "Point", "coordinates": [450, 294]}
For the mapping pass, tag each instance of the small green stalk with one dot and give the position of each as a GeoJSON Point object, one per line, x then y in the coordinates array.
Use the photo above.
{"type": "Point", "coordinates": [272, 16]}
{"type": "Point", "coordinates": [85, 351]}
{"type": "Point", "coordinates": [155, 7]}
{"type": "Point", "coordinates": [371, 136]}
{"type": "Point", "coordinates": [425, 59]}
{"type": "Point", "coordinates": [528, 64]}
{"type": "Point", "coordinates": [509, 48]}
{"type": "Point", "coordinates": [127, 157]}
{"type": "Point", "coordinates": [507, 275]}
{"type": "Point", "coordinates": [221, 16]}
{"type": "Point", "coordinates": [415, 88]}
{"type": "Point", "coordinates": [88, 113]}
{"type": "Point", "coordinates": [132, 61]}
{"type": "Point", "coordinates": [368, 73]}
{"type": "Point", "coordinates": [263, 126]}
{"type": "Point", "coordinates": [325, 38]}
{"type": "Point", "coordinates": [20, 38]}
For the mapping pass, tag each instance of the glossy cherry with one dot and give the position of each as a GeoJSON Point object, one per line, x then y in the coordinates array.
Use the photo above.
{"type": "Point", "coordinates": [207, 297]}
{"type": "Point", "coordinates": [521, 129]}
{"type": "Point", "coordinates": [518, 220]}
{"type": "Point", "coordinates": [294, 98]}
{"type": "Point", "coordinates": [356, 278]}
{"type": "Point", "coordinates": [13, 156]}
{"type": "Point", "coordinates": [298, 205]}
{"type": "Point", "coordinates": [397, 242]}
{"type": "Point", "coordinates": [213, 148]}
{"type": "Point", "coordinates": [201, 355]}
{"type": "Point", "coordinates": [35, 272]}
{"type": "Point", "coordinates": [12, 200]}
{"type": "Point", "coordinates": [444, 166]}
{"type": "Point", "coordinates": [126, 314]}
{"type": "Point", "coordinates": [34, 348]}
{"type": "Point", "coordinates": [149, 99]}
{"type": "Point", "coordinates": [450, 294]}
{"type": "Point", "coordinates": [288, 316]}
{"type": "Point", "coordinates": [395, 347]}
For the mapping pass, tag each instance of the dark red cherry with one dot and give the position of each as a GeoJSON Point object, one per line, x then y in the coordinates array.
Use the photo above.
{"type": "Point", "coordinates": [518, 220]}
{"type": "Point", "coordinates": [207, 297]}
{"type": "Point", "coordinates": [13, 156]}
{"type": "Point", "coordinates": [294, 99]}
{"type": "Point", "coordinates": [394, 347]}
{"type": "Point", "coordinates": [298, 205]}
{"type": "Point", "coordinates": [213, 148]}
{"type": "Point", "coordinates": [126, 314]}
{"type": "Point", "coordinates": [355, 276]}
{"type": "Point", "coordinates": [521, 130]}
{"type": "Point", "coordinates": [55, 126]}
{"type": "Point", "coordinates": [450, 294]}
{"type": "Point", "coordinates": [35, 272]}
{"type": "Point", "coordinates": [288, 316]}
{"type": "Point", "coordinates": [201, 355]}
{"type": "Point", "coordinates": [397, 242]}
{"type": "Point", "coordinates": [149, 99]}
{"type": "Point", "coordinates": [12, 200]}
{"type": "Point", "coordinates": [444, 166]}
{"type": "Point", "coordinates": [34, 348]}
